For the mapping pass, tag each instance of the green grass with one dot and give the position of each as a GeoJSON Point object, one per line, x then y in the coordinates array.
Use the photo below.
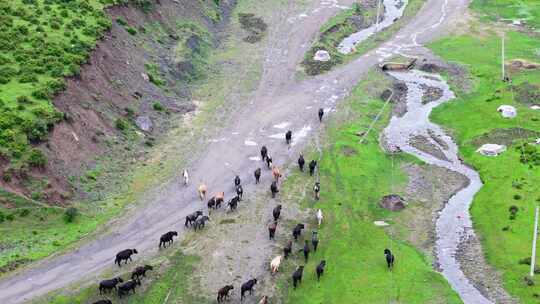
{"type": "Point", "coordinates": [353, 246]}
{"type": "Point", "coordinates": [527, 10]}
{"type": "Point", "coordinates": [474, 113]}
{"type": "Point", "coordinates": [170, 281]}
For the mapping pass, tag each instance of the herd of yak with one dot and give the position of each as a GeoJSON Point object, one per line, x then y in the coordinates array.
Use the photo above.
{"type": "Point", "coordinates": [197, 221]}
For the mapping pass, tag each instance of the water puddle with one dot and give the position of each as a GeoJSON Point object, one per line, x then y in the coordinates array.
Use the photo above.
{"type": "Point", "coordinates": [454, 222]}
{"type": "Point", "coordinates": [393, 10]}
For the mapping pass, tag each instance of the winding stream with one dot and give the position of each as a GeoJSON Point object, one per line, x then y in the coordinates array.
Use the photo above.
{"type": "Point", "coordinates": [393, 10]}
{"type": "Point", "coordinates": [454, 222]}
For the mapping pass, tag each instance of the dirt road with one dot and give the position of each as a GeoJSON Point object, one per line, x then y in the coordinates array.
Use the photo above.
{"type": "Point", "coordinates": [279, 104]}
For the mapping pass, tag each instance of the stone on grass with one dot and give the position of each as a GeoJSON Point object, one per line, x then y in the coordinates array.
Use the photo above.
{"type": "Point", "coordinates": [392, 202]}
{"type": "Point", "coordinates": [144, 123]}
{"type": "Point", "coordinates": [491, 149]}
{"type": "Point", "coordinates": [507, 111]}
{"type": "Point", "coordinates": [321, 55]}
{"type": "Point", "coordinates": [381, 223]}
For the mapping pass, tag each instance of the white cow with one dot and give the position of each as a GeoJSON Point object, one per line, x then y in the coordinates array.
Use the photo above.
{"type": "Point", "coordinates": [319, 216]}
{"type": "Point", "coordinates": [274, 265]}
{"type": "Point", "coordinates": [185, 174]}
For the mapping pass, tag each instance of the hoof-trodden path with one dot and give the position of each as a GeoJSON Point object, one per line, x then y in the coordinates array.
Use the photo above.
{"type": "Point", "coordinates": [280, 103]}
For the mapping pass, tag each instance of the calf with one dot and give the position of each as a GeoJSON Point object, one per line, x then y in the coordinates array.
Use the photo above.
{"type": "Point", "coordinates": [124, 255]}
{"type": "Point", "coordinates": [272, 230]}
{"type": "Point", "coordinates": [108, 285]}
{"type": "Point", "coordinates": [257, 174]}
{"type": "Point", "coordinates": [220, 196]}
{"type": "Point", "coordinates": [233, 203]}
{"type": "Point", "coordinates": [140, 272]}
{"type": "Point", "coordinates": [237, 181]}
{"type": "Point", "coordinates": [312, 166]}
{"type": "Point", "coordinates": [321, 113]}
{"type": "Point", "coordinates": [269, 162]}
{"type": "Point", "coordinates": [103, 302]}
{"type": "Point", "coordinates": [297, 231]}
{"type": "Point", "coordinates": [240, 192]}
{"type": "Point", "coordinates": [247, 286]}
{"type": "Point", "coordinates": [287, 250]}
{"type": "Point", "coordinates": [201, 222]}
{"type": "Point", "coordinates": [274, 265]}
{"type": "Point", "coordinates": [314, 240]}
{"type": "Point", "coordinates": [128, 286]}
{"type": "Point", "coordinates": [288, 137]}
{"type": "Point", "coordinates": [211, 203]}
{"type": "Point", "coordinates": [317, 190]}
{"type": "Point", "coordinates": [274, 189]}
{"type": "Point", "coordinates": [190, 219]}
{"type": "Point", "coordinates": [389, 258]}
{"type": "Point", "coordinates": [301, 162]}
{"type": "Point", "coordinates": [319, 216]}
{"type": "Point", "coordinates": [264, 153]}
{"type": "Point", "coordinates": [320, 269]}
{"type": "Point", "coordinates": [276, 212]}
{"type": "Point", "coordinates": [306, 250]}
{"type": "Point", "coordinates": [223, 293]}
{"type": "Point", "coordinates": [297, 276]}
{"type": "Point", "coordinates": [167, 238]}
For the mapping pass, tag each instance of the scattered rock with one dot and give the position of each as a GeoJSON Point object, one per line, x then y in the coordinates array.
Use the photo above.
{"type": "Point", "coordinates": [431, 94]}
{"type": "Point", "coordinates": [423, 144]}
{"type": "Point", "coordinates": [145, 77]}
{"type": "Point", "coordinates": [144, 123]}
{"type": "Point", "coordinates": [430, 68]}
{"type": "Point", "coordinates": [321, 55]}
{"type": "Point", "coordinates": [522, 64]}
{"type": "Point", "coordinates": [507, 111]}
{"type": "Point", "coordinates": [392, 202]}
{"type": "Point", "coordinates": [491, 149]}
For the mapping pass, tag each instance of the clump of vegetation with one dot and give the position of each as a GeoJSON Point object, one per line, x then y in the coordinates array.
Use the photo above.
{"type": "Point", "coordinates": [154, 74]}
{"type": "Point", "coordinates": [255, 26]}
{"type": "Point", "coordinates": [192, 51]}
{"type": "Point", "coordinates": [158, 106]}
{"type": "Point", "coordinates": [513, 211]}
{"type": "Point", "coordinates": [71, 214]}
{"type": "Point", "coordinates": [529, 154]}
{"type": "Point", "coordinates": [121, 124]}
{"type": "Point", "coordinates": [525, 261]}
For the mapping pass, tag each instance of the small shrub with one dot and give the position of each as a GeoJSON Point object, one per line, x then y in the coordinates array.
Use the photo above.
{"type": "Point", "coordinates": [517, 197]}
{"type": "Point", "coordinates": [529, 281]}
{"type": "Point", "coordinates": [131, 31]}
{"type": "Point", "coordinates": [36, 195]}
{"type": "Point", "coordinates": [36, 158]}
{"type": "Point", "coordinates": [513, 211]}
{"type": "Point", "coordinates": [6, 177]}
{"type": "Point", "coordinates": [24, 99]}
{"type": "Point", "coordinates": [525, 261]}
{"type": "Point", "coordinates": [10, 217]}
{"type": "Point", "coordinates": [121, 21]}
{"type": "Point", "coordinates": [55, 243]}
{"type": "Point", "coordinates": [121, 124]}
{"type": "Point", "coordinates": [158, 106]}
{"type": "Point", "coordinates": [24, 212]}
{"type": "Point", "coordinates": [506, 228]}
{"type": "Point", "coordinates": [2, 217]}
{"type": "Point", "coordinates": [70, 214]}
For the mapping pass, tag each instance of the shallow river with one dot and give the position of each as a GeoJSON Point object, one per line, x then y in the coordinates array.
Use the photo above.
{"type": "Point", "coordinates": [454, 222]}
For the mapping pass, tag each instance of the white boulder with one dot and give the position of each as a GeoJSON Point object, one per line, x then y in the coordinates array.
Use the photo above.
{"type": "Point", "coordinates": [507, 111]}
{"type": "Point", "coordinates": [535, 107]}
{"type": "Point", "coordinates": [321, 55]}
{"type": "Point", "coordinates": [491, 149]}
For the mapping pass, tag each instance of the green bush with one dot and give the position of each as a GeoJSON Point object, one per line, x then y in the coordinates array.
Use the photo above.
{"type": "Point", "coordinates": [36, 158]}
{"type": "Point", "coordinates": [121, 124]}
{"type": "Point", "coordinates": [158, 106]}
{"type": "Point", "coordinates": [24, 212]}
{"type": "Point", "coordinates": [2, 217]}
{"type": "Point", "coordinates": [121, 21]}
{"type": "Point", "coordinates": [71, 214]}
{"type": "Point", "coordinates": [131, 31]}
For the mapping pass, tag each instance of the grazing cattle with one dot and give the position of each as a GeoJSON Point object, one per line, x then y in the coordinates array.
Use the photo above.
{"type": "Point", "coordinates": [264, 153]}
{"type": "Point", "coordinates": [319, 216]}
{"type": "Point", "coordinates": [257, 175]}
{"type": "Point", "coordinates": [276, 174]}
{"type": "Point", "coordinates": [297, 231]}
{"type": "Point", "coordinates": [389, 258]}
{"type": "Point", "coordinates": [297, 276]}
{"type": "Point", "coordinates": [202, 191]}
{"type": "Point", "coordinates": [287, 250]}
{"type": "Point", "coordinates": [128, 286]}
{"type": "Point", "coordinates": [220, 196]}
{"type": "Point", "coordinates": [306, 250]}
{"type": "Point", "coordinates": [247, 286]}
{"type": "Point", "coordinates": [233, 203]}
{"type": "Point", "coordinates": [201, 222]}
{"type": "Point", "coordinates": [317, 189]}
{"type": "Point", "coordinates": [211, 203]}
{"type": "Point", "coordinates": [274, 189]}
{"type": "Point", "coordinates": [288, 137]}
{"type": "Point", "coordinates": [274, 265]}
{"type": "Point", "coordinates": [264, 300]}
{"type": "Point", "coordinates": [301, 162]}
{"type": "Point", "coordinates": [185, 174]}
{"type": "Point", "coordinates": [276, 212]}
{"type": "Point", "coordinates": [272, 230]}
{"type": "Point", "coordinates": [103, 302]}
{"type": "Point", "coordinates": [321, 113]}
{"type": "Point", "coordinates": [314, 240]}
{"type": "Point", "coordinates": [223, 293]}
{"type": "Point", "coordinates": [140, 272]}
{"type": "Point", "coordinates": [240, 192]}
{"type": "Point", "coordinates": [237, 181]}
{"type": "Point", "coordinates": [190, 219]}
{"type": "Point", "coordinates": [167, 238]}
{"type": "Point", "coordinates": [320, 269]}
{"type": "Point", "coordinates": [312, 166]}
{"type": "Point", "coordinates": [124, 255]}
{"type": "Point", "coordinates": [269, 162]}
{"type": "Point", "coordinates": [108, 285]}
